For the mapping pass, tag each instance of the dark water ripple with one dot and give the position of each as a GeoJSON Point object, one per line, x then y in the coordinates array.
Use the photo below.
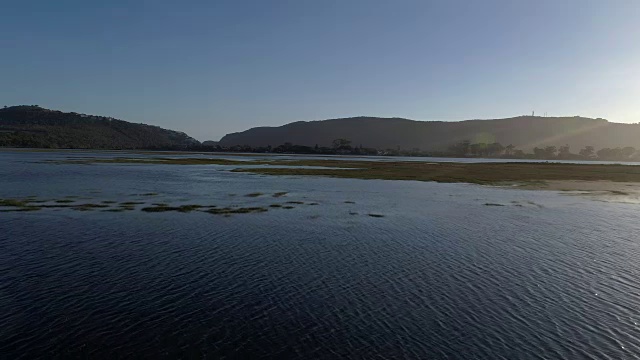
{"type": "Point", "coordinates": [439, 276]}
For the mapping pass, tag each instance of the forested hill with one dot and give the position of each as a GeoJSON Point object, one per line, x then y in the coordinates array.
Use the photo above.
{"type": "Point", "coordinates": [33, 126]}
{"type": "Point", "coordinates": [524, 132]}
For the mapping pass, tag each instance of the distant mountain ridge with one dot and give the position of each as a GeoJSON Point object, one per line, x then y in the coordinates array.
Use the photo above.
{"type": "Point", "coordinates": [34, 126]}
{"type": "Point", "coordinates": [524, 132]}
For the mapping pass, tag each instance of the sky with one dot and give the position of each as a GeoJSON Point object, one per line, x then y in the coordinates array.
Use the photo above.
{"type": "Point", "coordinates": [209, 68]}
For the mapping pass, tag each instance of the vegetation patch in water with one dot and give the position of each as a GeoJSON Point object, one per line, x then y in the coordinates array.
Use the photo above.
{"type": "Point", "coordinates": [280, 194]}
{"type": "Point", "coordinates": [188, 208]}
{"type": "Point", "coordinates": [158, 209]}
{"type": "Point", "coordinates": [13, 203]}
{"type": "Point", "coordinates": [105, 206]}
{"type": "Point", "coordinates": [255, 194]}
{"type": "Point", "coordinates": [618, 192]}
{"type": "Point", "coordinates": [24, 208]}
{"type": "Point", "coordinates": [18, 205]}
{"type": "Point", "coordinates": [228, 211]}
{"type": "Point", "coordinates": [165, 208]}
{"type": "Point", "coordinates": [130, 203]}
{"type": "Point", "coordinates": [349, 202]}
{"type": "Point", "coordinates": [376, 215]}
{"type": "Point", "coordinates": [532, 175]}
{"type": "Point", "coordinates": [492, 204]}
{"type": "Point", "coordinates": [64, 201]}
{"type": "Point", "coordinates": [88, 207]}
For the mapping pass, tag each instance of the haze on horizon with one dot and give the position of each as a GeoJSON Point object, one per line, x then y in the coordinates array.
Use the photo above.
{"type": "Point", "coordinates": [209, 69]}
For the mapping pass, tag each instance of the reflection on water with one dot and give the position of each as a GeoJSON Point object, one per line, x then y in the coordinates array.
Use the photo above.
{"type": "Point", "coordinates": [449, 271]}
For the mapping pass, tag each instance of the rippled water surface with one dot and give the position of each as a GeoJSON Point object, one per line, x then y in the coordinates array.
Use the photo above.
{"type": "Point", "coordinates": [443, 273]}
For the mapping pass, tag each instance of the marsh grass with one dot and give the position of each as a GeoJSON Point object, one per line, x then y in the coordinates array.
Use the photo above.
{"type": "Point", "coordinates": [18, 205]}
{"type": "Point", "coordinates": [30, 208]}
{"type": "Point", "coordinates": [164, 208]}
{"type": "Point", "coordinates": [497, 174]}
{"type": "Point", "coordinates": [618, 192]}
{"type": "Point", "coordinates": [88, 207]}
{"type": "Point", "coordinates": [105, 206]}
{"type": "Point", "coordinates": [188, 208]}
{"type": "Point", "coordinates": [64, 201]}
{"type": "Point", "coordinates": [228, 211]}
{"type": "Point", "coordinates": [24, 208]}
{"type": "Point", "coordinates": [14, 202]}
{"type": "Point", "coordinates": [159, 209]}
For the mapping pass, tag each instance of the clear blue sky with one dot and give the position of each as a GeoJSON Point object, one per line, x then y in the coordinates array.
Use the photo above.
{"type": "Point", "coordinates": [213, 67]}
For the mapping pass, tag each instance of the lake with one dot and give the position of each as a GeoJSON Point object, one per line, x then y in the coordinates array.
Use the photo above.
{"type": "Point", "coordinates": [338, 268]}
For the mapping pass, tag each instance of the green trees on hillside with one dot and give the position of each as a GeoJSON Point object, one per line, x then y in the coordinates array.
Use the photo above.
{"type": "Point", "coordinates": [33, 126]}
{"type": "Point", "coordinates": [617, 153]}
{"type": "Point", "coordinates": [467, 149]}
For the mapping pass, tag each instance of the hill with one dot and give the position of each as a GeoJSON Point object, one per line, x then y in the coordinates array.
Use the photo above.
{"type": "Point", "coordinates": [33, 126]}
{"type": "Point", "coordinates": [524, 132]}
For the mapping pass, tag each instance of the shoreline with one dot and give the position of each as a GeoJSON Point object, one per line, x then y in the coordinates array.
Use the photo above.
{"type": "Point", "coordinates": [320, 155]}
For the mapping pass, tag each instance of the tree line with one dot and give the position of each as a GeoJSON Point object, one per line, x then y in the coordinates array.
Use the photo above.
{"type": "Point", "coordinates": [338, 147]}
{"type": "Point", "coordinates": [462, 149]}
{"type": "Point", "coordinates": [497, 150]}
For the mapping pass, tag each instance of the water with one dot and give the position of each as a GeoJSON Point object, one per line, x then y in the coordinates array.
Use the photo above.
{"type": "Point", "coordinates": [441, 275]}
